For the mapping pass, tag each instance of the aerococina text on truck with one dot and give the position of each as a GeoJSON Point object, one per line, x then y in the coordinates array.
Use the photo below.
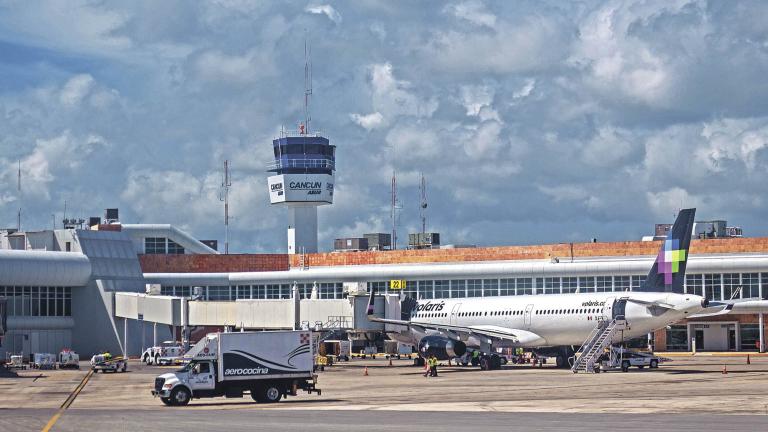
{"type": "Point", "coordinates": [269, 365]}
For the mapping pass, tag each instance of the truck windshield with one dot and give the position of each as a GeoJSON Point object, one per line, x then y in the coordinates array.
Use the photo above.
{"type": "Point", "coordinates": [187, 367]}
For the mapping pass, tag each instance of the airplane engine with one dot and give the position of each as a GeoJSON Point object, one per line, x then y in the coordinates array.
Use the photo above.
{"type": "Point", "coordinates": [442, 348]}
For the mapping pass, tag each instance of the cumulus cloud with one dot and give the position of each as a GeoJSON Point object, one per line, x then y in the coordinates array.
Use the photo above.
{"type": "Point", "coordinates": [368, 121]}
{"type": "Point", "coordinates": [391, 98]}
{"type": "Point", "coordinates": [326, 10]}
{"type": "Point", "coordinates": [474, 12]}
{"type": "Point", "coordinates": [589, 118]}
{"type": "Point", "coordinates": [49, 160]}
{"type": "Point", "coordinates": [609, 147]}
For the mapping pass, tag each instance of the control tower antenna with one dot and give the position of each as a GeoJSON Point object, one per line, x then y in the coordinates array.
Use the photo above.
{"type": "Point", "coordinates": [18, 187]}
{"type": "Point", "coordinates": [307, 82]}
{"type": "Point", "coordinates": [226, 183]}
{"type": "Point", "coordinates": [423, 204]}
{"type": "Point", "coordinates": [395, 207]}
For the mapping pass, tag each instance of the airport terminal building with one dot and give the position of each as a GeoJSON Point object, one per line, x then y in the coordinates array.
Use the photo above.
{"type": "Point", "coordinates": [124, 287]}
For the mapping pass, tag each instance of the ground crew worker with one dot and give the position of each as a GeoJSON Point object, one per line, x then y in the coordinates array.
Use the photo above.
{"type": "Point", "coordinates": [433, 366]}
{"type": "Point", "coordinates": [107, 356]}
{"type": "Point", "coordinates": [475, 358]}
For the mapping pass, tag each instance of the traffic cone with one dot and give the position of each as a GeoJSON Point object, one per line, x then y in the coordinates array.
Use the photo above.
{"type": "Point", "coordinates": [366, 371]}
{"type": "Point", "coordinates": [748, 362]}
{"type": "Point", "coordinates": [725, 370]}
{"type": "Point", "coordinates": [390, 362]}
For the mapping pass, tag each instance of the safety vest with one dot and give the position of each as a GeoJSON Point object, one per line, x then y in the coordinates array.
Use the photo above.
{"type": "Point", "coordinates": [475, 354]}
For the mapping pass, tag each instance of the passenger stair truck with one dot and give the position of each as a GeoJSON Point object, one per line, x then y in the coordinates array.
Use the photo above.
{"type": "Point", "coordinates": [269, 365]}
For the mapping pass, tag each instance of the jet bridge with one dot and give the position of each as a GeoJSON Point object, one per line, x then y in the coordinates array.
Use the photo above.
{"type": "Point", "coordinates": [347, 315]}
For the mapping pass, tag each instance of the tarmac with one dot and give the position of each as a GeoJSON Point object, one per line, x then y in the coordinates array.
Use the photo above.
{"type": "Point", "coordinates": [689, 393]}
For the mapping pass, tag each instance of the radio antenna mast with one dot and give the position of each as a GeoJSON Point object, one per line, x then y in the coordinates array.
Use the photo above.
{"type": "Point", "coordinates": [226, 183]}
{"type": "Point", "coordinates": [423, 204]}
{"type": "Point", "coordinates": [18, 187]}
{"type": "Point", "coordinates": [395, 207]}
{"type": "Point", "coordinates": [307, 82]}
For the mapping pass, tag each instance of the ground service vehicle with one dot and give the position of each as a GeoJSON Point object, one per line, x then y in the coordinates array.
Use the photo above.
{"type": "Point", "coordinates": [269, 365]}
{"type": "Point", "coordinates": [68, 359]}
{"type": "Point", "coordinates": [105, 362]}
{"type": "Point", "coordinates": [624, 359]}
{"type": "Point", "coordinates": [341, 349]}
{"type": "Point", "coordinates": [43, 361]}
{"type": "Point", "coordinates": [168, 353]}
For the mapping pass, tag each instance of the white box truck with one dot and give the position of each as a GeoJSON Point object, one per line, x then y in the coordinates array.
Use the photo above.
{"type": "Point", "coordinates": [269, 365]}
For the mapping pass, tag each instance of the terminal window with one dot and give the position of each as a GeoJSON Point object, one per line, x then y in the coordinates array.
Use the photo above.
{"type": "Point", "coordinates": [750, 283]}
{"type": "Point", "coordinates": [694, 284]}
{"type": "Point", "coordinates": [38, 301]}
{"type": "Point", "coordinates": [154, 245]}
{"type": "Point", "coordinates": [175, 248]}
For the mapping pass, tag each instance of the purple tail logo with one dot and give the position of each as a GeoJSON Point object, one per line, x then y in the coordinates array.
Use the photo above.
{"type": "Point", "coordinates": [669, 259]}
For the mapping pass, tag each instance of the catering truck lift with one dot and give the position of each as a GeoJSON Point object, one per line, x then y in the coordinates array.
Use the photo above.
{"type": "Point", "coordinates": [269, 365]}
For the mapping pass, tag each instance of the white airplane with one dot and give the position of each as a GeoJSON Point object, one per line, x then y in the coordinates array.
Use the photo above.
{"type": "Point", "coordinates": [552, 324]}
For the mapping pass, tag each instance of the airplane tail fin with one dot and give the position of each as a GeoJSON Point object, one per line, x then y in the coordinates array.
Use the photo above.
{"type": "Point", "coordinates": [668, 272]}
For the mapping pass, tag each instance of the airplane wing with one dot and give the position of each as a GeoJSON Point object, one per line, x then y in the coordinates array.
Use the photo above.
{"type": "Point", "coordinates": [462, 332]}
{"type": "Point", "coordinates": [517, 336]}
{"type": "Point", "coordinates": [651, 304]}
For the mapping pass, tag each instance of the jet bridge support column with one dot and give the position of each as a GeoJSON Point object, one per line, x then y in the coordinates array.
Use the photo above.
{"type": "Point", "coordinates": [761, 327]}
{"type": "Point", "coordinates": [125, 338]}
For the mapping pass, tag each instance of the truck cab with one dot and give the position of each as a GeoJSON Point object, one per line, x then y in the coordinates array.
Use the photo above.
{"type": "Point", "coordinates": [195, 379]}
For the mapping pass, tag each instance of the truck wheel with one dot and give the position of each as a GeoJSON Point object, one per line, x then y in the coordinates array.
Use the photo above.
{"type": "Point", "coordinates": [270, 393]}
{"type": "Point", "coordinates": [484, 364]}
{"type": "Point", "coordinates": [654, 364]}
{"type": "Point", "coordinates": [125, 367]}
{"type": "Point", "coordinates": [625, 366]}
{"type": "Point", "coordinates": [167, 401]}
{"type": "Point", "coordinates": [146, 359]}
{"type": "Point", "coordinates": [157, 360]}
{"type": "Point", "coordinates": [180, 396]}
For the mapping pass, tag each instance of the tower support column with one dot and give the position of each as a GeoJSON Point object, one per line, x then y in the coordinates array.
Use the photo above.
{"type": "Point", "coordinates": [302, 228]}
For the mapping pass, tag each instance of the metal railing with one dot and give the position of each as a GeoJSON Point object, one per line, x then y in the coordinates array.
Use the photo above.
{"type": "Point", "coordinates": [302, 164]}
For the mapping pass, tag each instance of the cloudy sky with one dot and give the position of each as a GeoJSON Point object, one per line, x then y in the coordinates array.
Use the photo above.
{"type": "Point", "coordinates": [533, 121]}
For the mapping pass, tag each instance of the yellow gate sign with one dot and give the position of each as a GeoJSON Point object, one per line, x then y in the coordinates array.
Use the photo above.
{"type": "Point", "coordinates": [395, 284]}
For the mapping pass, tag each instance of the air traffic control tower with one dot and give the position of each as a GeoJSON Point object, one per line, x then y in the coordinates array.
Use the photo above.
{"type": "Point", "coordinates": [303, 180]}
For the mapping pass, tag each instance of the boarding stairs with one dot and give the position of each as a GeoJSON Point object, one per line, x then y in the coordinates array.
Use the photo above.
{"type": "Point", "coordinates": [600, 337]}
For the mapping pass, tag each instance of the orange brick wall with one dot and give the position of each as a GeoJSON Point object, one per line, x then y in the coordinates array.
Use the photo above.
{"type": "Point", "coordinates": [213, 263]}
{"type": "Point", "coordinates": [506, 253]}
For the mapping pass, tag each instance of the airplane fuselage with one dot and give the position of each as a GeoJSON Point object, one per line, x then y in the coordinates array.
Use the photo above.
{"type": "Point", "coordinates": [551, 319]}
